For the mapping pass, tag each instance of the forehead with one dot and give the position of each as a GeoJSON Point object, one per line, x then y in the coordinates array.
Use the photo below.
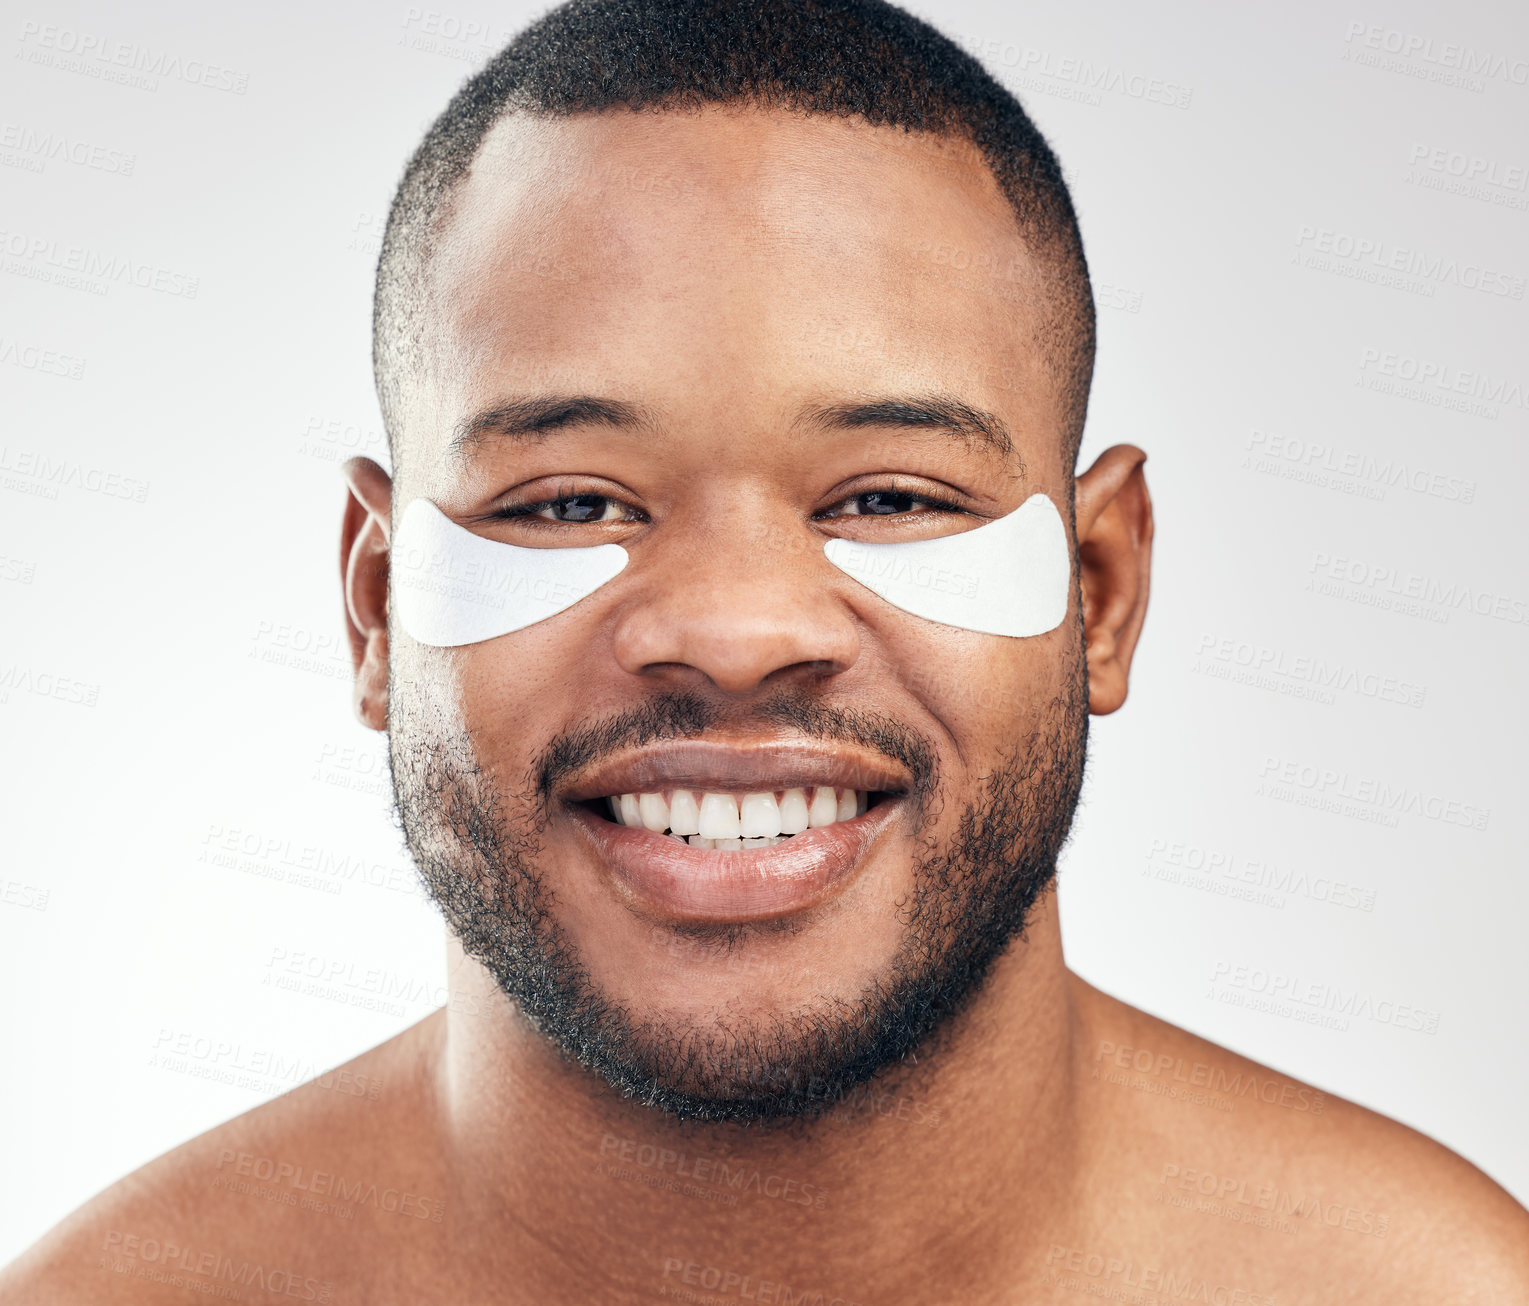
{"type": "Point", "coordinates": [728, 261]}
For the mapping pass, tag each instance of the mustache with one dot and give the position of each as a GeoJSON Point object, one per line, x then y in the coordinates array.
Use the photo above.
{"type": "Point", "coordinates": [686, 714]}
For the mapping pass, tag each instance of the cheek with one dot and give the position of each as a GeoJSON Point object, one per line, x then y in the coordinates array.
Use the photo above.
{"type": "Point", "coordinates": [425, 689]}
{"type": "Point", "coordinates": [979, 688]}
{"type": "Point", "coordinates": [518, 691]}
{"type": "Point", "coordinates": [480, 704]}
{"type": "Point", "coordinates": [511, 680]}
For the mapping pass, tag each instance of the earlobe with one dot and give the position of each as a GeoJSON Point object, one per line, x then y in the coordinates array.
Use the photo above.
{"type": "Point", "coordinates": [364, 535]}
{"type": "Point", "coordinates": [1114, 532]}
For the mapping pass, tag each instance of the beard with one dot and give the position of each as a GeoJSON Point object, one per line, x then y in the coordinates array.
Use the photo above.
{"type": "Point", "coordinates": [477, 851]}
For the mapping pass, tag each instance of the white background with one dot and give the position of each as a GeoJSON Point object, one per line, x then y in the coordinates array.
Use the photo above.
{"type": "Point", "coordinates": [175, 701]}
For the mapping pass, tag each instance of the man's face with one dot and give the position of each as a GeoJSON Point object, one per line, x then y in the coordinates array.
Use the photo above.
{"type": "Point", "coordinates": [727, 282]}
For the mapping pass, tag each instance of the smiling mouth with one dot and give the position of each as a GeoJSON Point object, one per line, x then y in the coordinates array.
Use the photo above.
{"type": "Point", "coordinates": [724, 821]}
{"type": "Point", "coordinates": [734, 830]}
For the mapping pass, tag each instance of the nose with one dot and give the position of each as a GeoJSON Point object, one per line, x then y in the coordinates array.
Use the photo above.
{"type": "Point", "coordinates": [737, 606]}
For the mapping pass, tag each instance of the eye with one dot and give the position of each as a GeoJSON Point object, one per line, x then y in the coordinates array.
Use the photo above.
{"type": "Point", "coordinates": [575, 508]}
{"type": "Point", "coordinates": [891, 503]}
{"type": "Point", "coordinates": [582, 508]}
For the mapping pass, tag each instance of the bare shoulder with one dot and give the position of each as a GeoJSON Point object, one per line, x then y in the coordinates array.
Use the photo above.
{"type": "Point", "coordinates": [1322, 1199]}
{"type": "Point", "coordinates": [284, 1198]}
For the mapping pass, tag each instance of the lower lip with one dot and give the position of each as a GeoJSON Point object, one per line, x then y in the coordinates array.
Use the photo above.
{"type": "Point", "coordinates": [674, 880]}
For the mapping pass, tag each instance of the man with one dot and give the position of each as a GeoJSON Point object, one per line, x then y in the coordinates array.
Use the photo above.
{"type": "Point", "coordinates": [746, 846]}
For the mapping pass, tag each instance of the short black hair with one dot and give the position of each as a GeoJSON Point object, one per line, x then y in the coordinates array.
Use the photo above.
{"type": "Point", "coordinates": [843, 58]}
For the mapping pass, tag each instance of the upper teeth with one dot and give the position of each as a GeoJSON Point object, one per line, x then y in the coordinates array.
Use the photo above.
{"type": "Point", "coordinates": [706, 816]}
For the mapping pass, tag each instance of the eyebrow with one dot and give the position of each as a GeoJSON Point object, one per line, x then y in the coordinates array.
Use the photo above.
{"type": "Point", "coordinates": [938, 412]}
{"type": "Point", "coordinates": [535, 417]}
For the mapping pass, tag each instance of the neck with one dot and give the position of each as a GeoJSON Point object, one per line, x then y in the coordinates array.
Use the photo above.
{"type": "Point", "coordinates": [550, 1168]}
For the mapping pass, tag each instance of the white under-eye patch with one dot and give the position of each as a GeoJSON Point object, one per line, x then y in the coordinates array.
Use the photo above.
{"type": "Point", "coordinates": [452, 587]}
{"type": "Point", "coordinates": [1010, 577]}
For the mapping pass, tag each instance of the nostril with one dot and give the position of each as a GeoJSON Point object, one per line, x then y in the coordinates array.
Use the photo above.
{"type": "Point", "coordinates": [738, 640]}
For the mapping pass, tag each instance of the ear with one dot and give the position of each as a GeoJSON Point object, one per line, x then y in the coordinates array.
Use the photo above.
{"type": "Point", "coordinates": [364, 535]}
{"type": "Point", "coordinates": [1114, 524]}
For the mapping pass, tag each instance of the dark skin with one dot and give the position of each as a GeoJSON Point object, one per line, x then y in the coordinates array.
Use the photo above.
{"type": "Point", "coordinates": [1056, 1139]}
